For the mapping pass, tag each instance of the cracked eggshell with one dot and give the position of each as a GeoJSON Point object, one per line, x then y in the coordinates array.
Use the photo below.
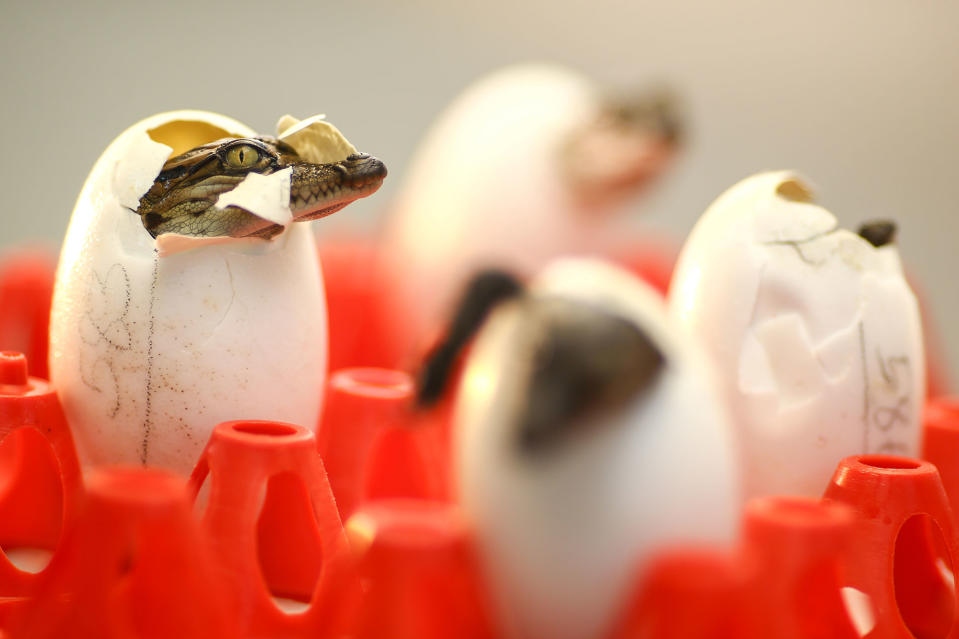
{"type": "Point", "coordinates": [314, 139]}
{"type": "Point", "coordinates": [815, 333]}
{"type": "Point", "coordinates": [149, 353]}
{"type": "Point", "coordinates": [565, 533]}
{"type": "Point", "coordinates": [268, 195]}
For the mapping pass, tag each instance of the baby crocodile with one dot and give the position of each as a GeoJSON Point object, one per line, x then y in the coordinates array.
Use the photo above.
{"type": "Point", "coordinates": [183, 198]}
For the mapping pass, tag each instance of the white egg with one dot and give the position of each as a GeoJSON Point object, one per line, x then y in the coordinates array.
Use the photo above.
{"type": "Point", "coordinates": [565, 529]}
{"type": "Point", "coordinates": [155, 342]}
{"type": "Point", "coordinates": [814, 331]}
{"type": "Point", "coordinates": [493, 184]}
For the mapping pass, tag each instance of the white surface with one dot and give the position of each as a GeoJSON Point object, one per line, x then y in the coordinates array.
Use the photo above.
{"type": "Point", "coordinates": [149, 353]}
{"type": "Point", "coordinates": [566, 532]}
{"type": "Point", "coordinates": [814, 332]}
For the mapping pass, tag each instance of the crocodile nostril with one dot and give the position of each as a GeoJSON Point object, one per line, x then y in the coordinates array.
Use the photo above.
{"type": "Point", "coordinates": [374, 169]}
{"type": "Point", "coordinates": [361, 169]}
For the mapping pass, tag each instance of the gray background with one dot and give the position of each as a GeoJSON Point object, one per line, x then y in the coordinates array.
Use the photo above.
{"type": "Point", "coordinates": [861, 96]}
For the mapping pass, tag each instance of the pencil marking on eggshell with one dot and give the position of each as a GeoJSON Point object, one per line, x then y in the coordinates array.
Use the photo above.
{"type": "Point", "coordinates": [888, 366]}
{"type": "Point", "coordinates": [890, 416]}
{"type": "Point", "coordinates": [148, 394]}
{"type": "Point", "coordinates": [101, 367]}
{"type": "Point", "coordinates": [893, 414]}
{"type": "Point", "coordinates": [102, 324]}
{"type": "Point", "coordinates": [895, 373]}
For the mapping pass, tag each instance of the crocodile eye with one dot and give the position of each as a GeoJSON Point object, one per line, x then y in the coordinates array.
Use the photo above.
{"type": "Point", "coordinates": [242, 156]}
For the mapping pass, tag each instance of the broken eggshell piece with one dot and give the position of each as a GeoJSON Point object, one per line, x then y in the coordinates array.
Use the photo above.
{"type": "Point", "coordinates": [149, 353]}
{"type": "Point", "coordinates": [591, 507]}
{"type": "Point", "coordinates": [814, 331]}
{"type": "Point", "coordinates": [315, 140]}
{"type": "Point", "coordinates": [267, 195]}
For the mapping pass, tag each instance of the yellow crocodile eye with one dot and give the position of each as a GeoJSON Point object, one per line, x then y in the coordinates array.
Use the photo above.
{"type": "Point", "coordinates": [242, 156]}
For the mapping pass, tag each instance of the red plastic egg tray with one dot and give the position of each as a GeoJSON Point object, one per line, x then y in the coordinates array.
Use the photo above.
{"type": "Point", "coordinates": [354, 532]}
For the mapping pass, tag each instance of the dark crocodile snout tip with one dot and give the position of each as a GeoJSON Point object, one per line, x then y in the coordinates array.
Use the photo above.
{"type": "Point", "coordinates": [365, 165]}
{"type": "Point", "coordinates": [878, 232]}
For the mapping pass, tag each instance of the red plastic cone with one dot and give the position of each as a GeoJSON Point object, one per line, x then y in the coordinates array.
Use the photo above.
{"type": "Point", "coordinates": [416, 559]}
{"type": "Point", "coordinates": [271, 521]}
{"type": "Point", "coordinates": [132, 566]}
{"type": "Point", "coordinates": [39, 472]}
{"type": "Point", "coordinates": [905, 544]}
{"type": "Point", "coordinates": [686, 594]}
{"type": "Point", "coordinates": [362, 404]}
{"type": "Point", "coordinates": [359, 330]}
{"type": "Point", "coordinates": [793, 547]}
{"type": "Point", "coordinates": [940, 443]}
{"type": "Point", "coordinates": [374, 445]}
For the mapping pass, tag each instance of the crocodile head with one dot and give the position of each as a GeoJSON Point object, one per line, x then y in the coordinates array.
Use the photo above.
{"type": "Point", "coordinates": [183, 198]}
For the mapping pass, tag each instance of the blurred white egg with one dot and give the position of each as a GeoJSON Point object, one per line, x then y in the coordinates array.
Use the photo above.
{"type": "Point", "coordinates": [155, 342]}
{"type": "Point", "coordinates": [814, 332]}
{"type": "Point", "coordinates": [566, 515]}
{"type": "Point", "coordinates": [496, 183]}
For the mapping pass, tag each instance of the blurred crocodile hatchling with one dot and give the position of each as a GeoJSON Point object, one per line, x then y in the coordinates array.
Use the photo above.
{"type": "Point", "coordinates": [183, 199]}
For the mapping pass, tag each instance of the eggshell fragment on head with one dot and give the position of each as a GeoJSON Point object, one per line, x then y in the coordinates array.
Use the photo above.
{"type": "Point", "coordinates": [314, 139]}
{"type": "Point", "coordinates": [814, 331]}
{"type": "Point", "coordinates": [267, 196]}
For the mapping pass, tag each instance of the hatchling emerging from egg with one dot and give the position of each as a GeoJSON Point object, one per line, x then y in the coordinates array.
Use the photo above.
{"type": "Point", "coordinates": [185, 197]}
